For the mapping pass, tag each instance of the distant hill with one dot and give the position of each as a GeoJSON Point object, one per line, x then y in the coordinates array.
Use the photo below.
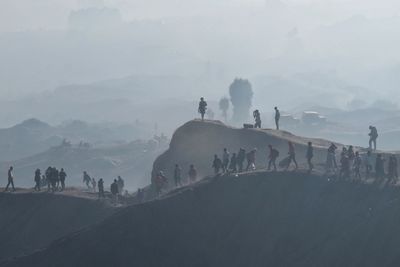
{"type": "Point", "coordinates": [33, 136]}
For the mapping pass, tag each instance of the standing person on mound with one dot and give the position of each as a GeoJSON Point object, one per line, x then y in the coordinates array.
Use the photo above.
{"type": "Point", "coordinates": [257, 118]}
{"type": "Point", "coordinates": [273, 156]}
{"type": "Point", "coordinates": [10, 179]}
{"type": "Point", "coordinates": [217, 164]}
{"type": "Point", "coordinates": [38, 176]}
{"type": "Point", "coordinates": [292, 155]}
{"type": "Point", "coordinates": [202, 108]}
{"type": "Point", "coordinates": [373, 135]}
{"type": "Point", "coordinates": [309, 156]}
{"type": "Point", "coordinates": [100, 186]}
{"type": "Point", "coordinates": [192, 174]}
{"type": "Point", "coordinates": [277, 117]}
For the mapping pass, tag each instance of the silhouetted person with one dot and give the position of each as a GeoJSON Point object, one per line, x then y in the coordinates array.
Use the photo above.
{"type": "Point", "coordinates": [368, 164]}
{"type": "Point", "coordinates": [87, 179]}
{"type": "Point", "coordinates": [373, 135]}
{"type": "Point", "coordinates": [240, 159]}
{"type": "Point", "coordinates": [251, 160]}
{"type": "Point", "coordinates": [292, 155]}
{"type": "Point", "coordinates": [309, 156]}
{"type": "Point", "coordinates": [10, 179]}
{"type": "Point", "coordinates": [257, 118]}
{"type": "Point", "coordinates": [178, 175]}
{"type": "Point", "coordinates": [160, 181]}
{"type": "Point", "coordinates": [202, 107]}
{"type": "Point", "coordinates": [351, 154]}
{"type": "Point", "coordinates": [100, 186]}
{"type": "Point", "coordinates": [192, 174]}
{"type": "Point", "coordinates": [379, 167]}
{"type": "Point", "coordinates": [277, 117]}
{"type": "Point", "coordinates": [217, 164]}
{"type": "Point", "coordinates": [114, 191]}
{"type": "Point", "coordinates": [233, 163]}
{"type": "Point", "coordinates": [331, 164]}
{"type": "Point", "coordinates": [344, 166]}
{"type": "Point", "coordinates": [273, 156]}
{"type": "Point", "coordinates": [62, 175]}
{"type": "Point", "coordinates": [94, 184]}
{"type": "Point", "coordinates": [121, 184]}
{"type": "Point", "coordinates": [56, 179]}
{"type": "Point", "coordinates": [48, 174]}
{"type": "Point", "coordinates": [225, 160]}
{"type": "Point", "coordinates": [357, 166]}
{"type": "Point", "coordinates": [38, 176]}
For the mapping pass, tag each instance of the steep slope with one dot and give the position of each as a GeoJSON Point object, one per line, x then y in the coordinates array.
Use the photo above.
{"type": "Point", "coordinates": [29, 222]}
{"type": "Point", "coordinates": [259, 219]}
{"type": "Point", "coordinates": [196, 142]}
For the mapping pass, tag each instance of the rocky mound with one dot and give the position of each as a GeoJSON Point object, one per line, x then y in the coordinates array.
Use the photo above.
{"type": "Point", "coordinates": [259, 219]}
{"type": "Point", "coordinates": [196, 142]}
{"type": "Point", "coordinates": [30, 221]}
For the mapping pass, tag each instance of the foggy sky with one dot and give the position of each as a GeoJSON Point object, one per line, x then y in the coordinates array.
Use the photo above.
{"type": "Point", "coordinates": [20, 15]}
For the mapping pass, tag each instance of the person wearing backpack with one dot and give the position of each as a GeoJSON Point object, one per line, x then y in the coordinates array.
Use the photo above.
{"type": "Point", "coordinates": [273, 155]}
{"type": "Point", "coordinates": [373, 135]}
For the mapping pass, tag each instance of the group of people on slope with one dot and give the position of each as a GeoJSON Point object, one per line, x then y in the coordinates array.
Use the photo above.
{"type": "Point", "coordinates": [116, 188]}
{"type": "Point", "coordinates": [160, 181]}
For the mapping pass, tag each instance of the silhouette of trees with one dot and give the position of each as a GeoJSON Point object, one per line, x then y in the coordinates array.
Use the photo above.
{"type": "Point", "coordinates": [224, 106]}
{"type": "Point", "coordinates": [241, 94]}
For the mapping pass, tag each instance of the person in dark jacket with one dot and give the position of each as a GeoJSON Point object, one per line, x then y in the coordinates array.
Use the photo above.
{"type": "Point", "coordinates": [38, 176]}
{"type": "Point", "coordinates": [309, 156]}
{"type": "Point", "coordinates": [217, 164]}
{"type": "Point", "coordinates": [100, 186]}
{"type": "Point", "coordinates": [114, 191]}
{"type": "Point", "coordinates": [273, 156]}
{"type": "Point", "coordinates": [62, 175]}
{"type": "Point", "coordinates": [10, 179]}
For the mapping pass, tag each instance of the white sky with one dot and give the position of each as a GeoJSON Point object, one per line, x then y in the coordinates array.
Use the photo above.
{"type": "Point", "coordinates": [16, 15]}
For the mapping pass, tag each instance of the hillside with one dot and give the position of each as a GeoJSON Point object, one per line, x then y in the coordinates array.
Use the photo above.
{"type": "Point", "coordinates": [31, 221]}
{"type": "Point", "coordinates": [259, 219]}
{"type": "Point", "coordinates": [196, 142]}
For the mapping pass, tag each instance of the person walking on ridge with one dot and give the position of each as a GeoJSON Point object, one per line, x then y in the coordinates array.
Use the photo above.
{"type": "Point", "coordinates": [225, 160]}
{"type": "Point", "coordinates": [10, 179]}
{"type": "Point", "coordinates": [309, 156]}
{"type": "Point", "coordinates": [257, 118]}
{"type": "Point", "coordinates": [277, 117]}
{"type": "Point", "coordinates": [373, 135]}
{"type": "Point", "coordinates": [38, 176]}
{"type": "Point", "coordinates": [273, 155]}
{"type": "Point", "coordinates": [292, 155]}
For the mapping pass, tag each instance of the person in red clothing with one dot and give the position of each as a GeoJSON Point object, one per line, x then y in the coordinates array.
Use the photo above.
{"type": "Point", "coordinates": [292, 155]}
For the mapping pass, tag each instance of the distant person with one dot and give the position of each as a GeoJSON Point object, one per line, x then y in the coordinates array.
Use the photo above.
{"type": "Point", "coordinates": [114, 191]}
{"type": "Point", "coordinates": [351, 154]}
{"type": "Point", "coordinates": [225, 160]}
{"type": "Point", "coordinates": [178, 175]}
{"type": "Point", "coordinates": [368, 164]}
{"type": "Point", "coordinates": [292, 155]}
{"type": "Point", "coordinates": [357, 166]}
{"type": "Point", "coordinates": [49, 173]}
{"type": "Point", "coordinates": [38, 176]}
{"type": "Point", "coordinates": [277, 117]}
{"type": "Point", "coordinates": [94, 184]}
{"type": "Point", "coordinates": [273, 156]}
{"type": "Point", "coordinates": [100, 186]}
{"type": "Point", "coordinates": [240, 159]}
{"type": "Point", "coordinates": [192, 174]}
{"type": "Point", "coordinates": [309, 156]}
{"type": "Point", "coordinates": [233, 163]}
{"type": "Point", "coordinates": [56, 179]}
{"type": "Point", "coordinates": [251, 160]}
{"type": "Point", "coordinates": [121, 184]}
{"type": "Point", "coordinates": [379, 167]}
{"type": "Point", "coordinates": [217, 164]}
{"type": "Point", "coordinates": [10, 179]}
{"type": "Point", "coordinates": [202, 108]}
{"type": "Point", "coordinates": [373, 135]}
{"type": "Point", "coordinates": [160, 182]}
{"type": "Point", "coordinates": [331, 164]}
{"type": "Point", "coordinates": [344, 166]}
{"type": "Point", "coordinates": [63, 176]}
{"type": "Point", "coordinates": [257, 118]}
{"type": "Point", "coordinates": [87, 179]}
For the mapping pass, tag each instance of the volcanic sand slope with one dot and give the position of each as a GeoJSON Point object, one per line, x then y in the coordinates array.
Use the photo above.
{"type": "Point", "coordinates": [259, 219]}
{"type": "Point", "coordinates": [196, 142]}
{"type": "Point", "coordinates": [31, 221]}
